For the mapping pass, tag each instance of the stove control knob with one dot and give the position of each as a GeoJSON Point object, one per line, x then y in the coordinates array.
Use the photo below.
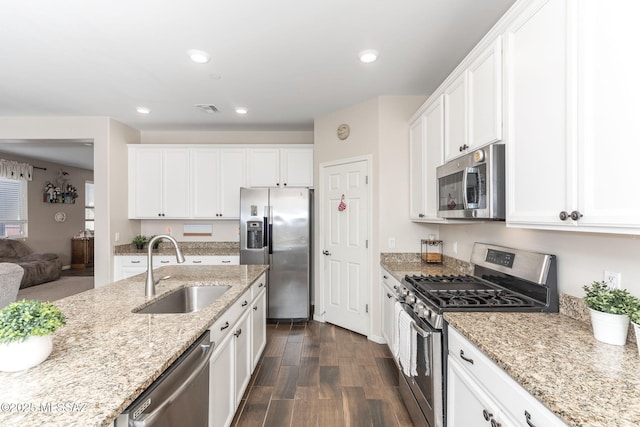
{"type": "Point", "coordinates": [421, 310]}
{"type": "Point", "coordinates": [403, 292]}
{"type": "Point", "coordinates": [410, 298]}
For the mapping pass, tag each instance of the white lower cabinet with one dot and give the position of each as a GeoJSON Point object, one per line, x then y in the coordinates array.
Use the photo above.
{"type": "Point", "coordinates": [239, 336]}
{"type": "Point", "coordinates": [259, 326]}
{"type": "Point", "coordinates": [130, 265]}
{"type": "Point", "coordinates": [478, 391]}
{"type": "Point", "coordinates": [388, 282]}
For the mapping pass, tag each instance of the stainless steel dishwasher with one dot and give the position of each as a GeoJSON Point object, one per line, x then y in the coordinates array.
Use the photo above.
{"type": "Point", "coordinates": [179, 397]}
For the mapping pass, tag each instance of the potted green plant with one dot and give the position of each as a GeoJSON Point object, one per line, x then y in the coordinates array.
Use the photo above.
{"type": "Point", "coordinates": [139, 241]}
{"type": "Point", "coordinates": [609, 310]}
{"type": "Point", "coordinates": [634, 316]}
{"type": "Point", "coordinates": [26, 329]}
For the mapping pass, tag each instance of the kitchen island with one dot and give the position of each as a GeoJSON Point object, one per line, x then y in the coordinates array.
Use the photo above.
{"type": "Point", "coordinates": [106, 355]}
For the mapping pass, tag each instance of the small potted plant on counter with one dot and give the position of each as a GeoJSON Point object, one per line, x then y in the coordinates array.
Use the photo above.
{"type": "Point", "coordinates": [609, 310]}
{"type": "Point", "coordinates": [634, 316]}
{"type": "Point", "coordinates": [139, 241]}
{"type": "Point", "coordinates": [26, 329]}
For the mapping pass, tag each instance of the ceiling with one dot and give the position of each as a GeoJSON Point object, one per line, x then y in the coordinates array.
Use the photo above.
{"type": "Point", "coordinates": [286, 61]}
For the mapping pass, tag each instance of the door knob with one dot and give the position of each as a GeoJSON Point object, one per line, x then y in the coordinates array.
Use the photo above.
{"type": "Point", "coordinates": [327, 253]}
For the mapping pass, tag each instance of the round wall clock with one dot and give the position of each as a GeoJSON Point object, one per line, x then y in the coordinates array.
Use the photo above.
{"type": "Point", "coordinates": [343, 131]}
{"type": "Point", "coordinates": [60, 217]}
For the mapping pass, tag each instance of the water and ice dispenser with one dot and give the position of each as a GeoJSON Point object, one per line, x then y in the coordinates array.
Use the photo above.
{"type": "Point", "coordinates": [254, 235]}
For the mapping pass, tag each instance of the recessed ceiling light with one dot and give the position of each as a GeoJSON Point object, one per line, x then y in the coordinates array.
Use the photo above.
{"type": "Point", "coordinates": [368, 56]}
{"type": "Point", "coordinates": [199, 56]}
{"type": "Point", "coordinates": [143, 110]}
{"type": "Point", "coordinates": [241, 110]}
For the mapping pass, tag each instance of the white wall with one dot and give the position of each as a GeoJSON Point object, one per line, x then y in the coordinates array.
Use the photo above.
{"type": "Point", "coordinates": [379, 128]}
{"type": "Point", "coordinates": [106, 167]}
{"type": "Point", "coordinates": [582, 257]}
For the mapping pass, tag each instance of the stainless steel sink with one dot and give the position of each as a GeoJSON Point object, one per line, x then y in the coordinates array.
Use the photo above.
{"type": "Point", "coordinates": [185, 300]}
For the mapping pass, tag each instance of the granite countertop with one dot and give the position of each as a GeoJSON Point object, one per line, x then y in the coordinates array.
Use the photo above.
{"type": "Point", "coordinates": [553, 356]}
{"type": "Point", "coordinates": [105, 355]}
{"type": "Point", "coordinates": [556, 359]}
{"type": "Point", "coordinates": [188, 249]}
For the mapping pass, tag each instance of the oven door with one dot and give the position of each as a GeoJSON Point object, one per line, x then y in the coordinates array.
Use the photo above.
{"type": "Point", "coordinates": [427, 387]}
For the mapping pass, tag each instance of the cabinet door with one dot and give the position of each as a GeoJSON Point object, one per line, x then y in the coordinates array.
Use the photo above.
{"type": "Point", "coordinates": [233, 172]}
{"type": "Point", "coordinates": [484, 78]}
{"type": "Point", "coordinates": [145, 183]}
{"type": "Point", "coordinates": [388, 310]}
{"type": "Point", "coordinates": [175, 183]}
{"type": "Point", "coordinates": [128, 266]}
{"type": "Point", "coordinates": [608, 113]}
{"type": "Point", "coordinates": [264, 167]}
{"type": "Point", "coordinates": [467, 403]}
{"type": "Point", "coordinates": [243, 356]}
{"type": "Point", "coordinates": [206, 185]}
{"type": "Point", "coordinates": [433, 146]}
{"type": "Point", "coordinates": [455, 103]}
{"type": "Point", "coordinates": [297, 167]}
{"type": "Point", "coordinates": [540, 148]}
{"type": "Point", "coordinates": [222, 404]}
{"type": "Point", "coordinates": [416, 169]}
{"type": "Point", "coordinates": [258, 327]}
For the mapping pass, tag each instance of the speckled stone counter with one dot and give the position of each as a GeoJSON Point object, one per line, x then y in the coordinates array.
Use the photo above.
{"type": "Point", "coordinates": [106, 355]}
{"type": "Point", "coordinates": [188, 248]}
{"type": "Point", "coordinates": [556, 359]}
{"type": "Point", "coordinates": [399, 265]}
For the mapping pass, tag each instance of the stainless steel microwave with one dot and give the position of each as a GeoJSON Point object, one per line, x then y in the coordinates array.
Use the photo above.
{"type": "Point", "coordinates": [472, 186]}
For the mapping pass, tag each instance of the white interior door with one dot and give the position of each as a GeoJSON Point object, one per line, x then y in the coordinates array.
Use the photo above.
{"type": "Point", "coordinates": [346, 216]}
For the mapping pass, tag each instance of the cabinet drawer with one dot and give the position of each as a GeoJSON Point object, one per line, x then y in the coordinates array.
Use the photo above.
{"type": "Point", "coordinates": [389, 280]}
{"type": "Point", "coordinates": [512, 396]}
{"type": "Point", "coordinates": [227, 321]}
{"type": "Point", "coordinates": [225, 260]}
{"type": "Point", "coordinates": [258, 286]}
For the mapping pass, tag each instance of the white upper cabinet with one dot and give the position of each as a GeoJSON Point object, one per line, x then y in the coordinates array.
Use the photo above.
{"type": "Point", "coordinates": [203, 181]}
{"type": "Point", "coordinates": [217, 176]}
{"type": "Point", "coordinates": [280, 167]}
{"type": "Point", "coordinates": [540, 152]}
{"type": "Point", "coordinates": [484, 78]}
{"type": "Point", "coordinates": [473, 103]}
{"type": "Point", "coordinates": [426, 136]}
{"type": "Point", "coordinates": [417, 182]}
{"type": "Point", "coordinates": [159, 183]}
{"type": "Point", "coordinates": [572, 107]}
{"type": "Point", "coordinates": [455, 117]}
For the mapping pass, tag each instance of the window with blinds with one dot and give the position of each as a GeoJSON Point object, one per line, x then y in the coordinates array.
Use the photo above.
{"type": "Point", "coordinates": [13, 208]}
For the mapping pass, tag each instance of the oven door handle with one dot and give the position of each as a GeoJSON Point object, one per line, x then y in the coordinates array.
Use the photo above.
{"type": "Point", "coordinates": [419, 330]}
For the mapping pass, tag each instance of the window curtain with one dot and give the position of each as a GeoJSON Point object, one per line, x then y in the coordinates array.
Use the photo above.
{"type": "Point", "coordinates": [15, 170]}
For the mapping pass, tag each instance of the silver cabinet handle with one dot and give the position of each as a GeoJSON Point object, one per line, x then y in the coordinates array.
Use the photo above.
{"type": "Point", "coordinates": [238, 332]}
{"type": "Point", "coordinates": [165, 262]}
{"type": "Point", "coordinates": [196, 262]}
{"type": "Point", "coordinates": [466, 359]}
{"type": "Point", "coordinates": [261, 285]}
{"type": "Point", "coordinates": [389, 295]}
{"type": "Point", "coordinates": [563, 216]}
{"type": "Point", "coordinates": [527, 417]}
{"type": "Point", "coordinates": [245, 303]}
{"type": "Point", "coordinates": [576, 215]}
{"type": "Point", "coordinates": [135, 262]}
{"type": "Point", "coordinates": [225, 326]}
{"type": "Point", "coordinates": [226, 261]}
{"type": "Point", "coordinates": [255, 308]}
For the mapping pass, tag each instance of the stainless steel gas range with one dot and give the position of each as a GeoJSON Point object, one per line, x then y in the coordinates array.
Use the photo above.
{"type": "Point", "coordinates": [504, 279]}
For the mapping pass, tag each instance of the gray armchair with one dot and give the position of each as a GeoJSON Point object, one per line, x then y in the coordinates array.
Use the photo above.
{"type": "Point", "coordinates": [10, 277]}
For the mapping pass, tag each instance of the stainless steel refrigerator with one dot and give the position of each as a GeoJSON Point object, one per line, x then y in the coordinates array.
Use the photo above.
{"type": "Point", "coordinates": [276, 229]}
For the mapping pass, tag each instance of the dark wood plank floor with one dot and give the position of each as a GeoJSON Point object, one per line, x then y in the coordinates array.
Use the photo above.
{"type": "Point", "coordinates": [317, 374]}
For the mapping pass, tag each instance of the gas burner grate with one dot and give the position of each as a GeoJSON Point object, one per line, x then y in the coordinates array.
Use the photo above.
{"type": "Point", "coordinates": [477, 298]}
{"type": "Point", "coordinates": [441, 279]}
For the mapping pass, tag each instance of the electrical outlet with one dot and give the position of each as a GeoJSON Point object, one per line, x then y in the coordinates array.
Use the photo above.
{"type": "Point", "coordinates": [612, 279]}
{"type": "Point", "coordinates": [392, 242]}
{"type": "Point", "coordinates": [117, 236]}
{"type": "Point", "coordinates": [454, 247]}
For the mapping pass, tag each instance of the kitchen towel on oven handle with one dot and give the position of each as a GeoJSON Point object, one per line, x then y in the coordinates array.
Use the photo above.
{"type": "Point", "coordinates": [406, 344]}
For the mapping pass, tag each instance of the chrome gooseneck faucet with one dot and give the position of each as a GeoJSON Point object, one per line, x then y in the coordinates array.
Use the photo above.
{"type": "Point", "coordinates": [150, 284]}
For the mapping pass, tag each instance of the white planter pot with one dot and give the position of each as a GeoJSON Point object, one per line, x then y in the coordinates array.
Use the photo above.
{"type": "Point", "coordinates": [636, 329]}
{"type": "Point", "coordinates": [610, 328]}
{"type": "Point", "coordinates": [17, 356]}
